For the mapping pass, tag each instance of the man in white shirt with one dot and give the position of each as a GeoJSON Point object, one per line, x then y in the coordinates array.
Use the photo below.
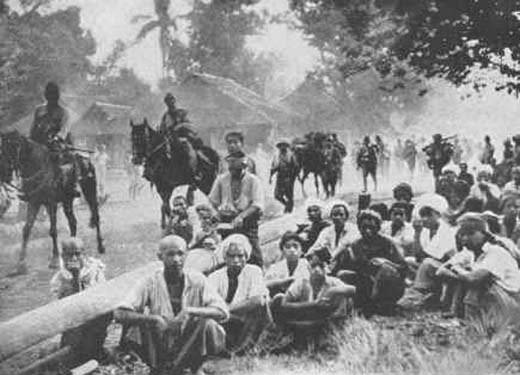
{"type": "Point", "coordinates": [397, 228]}
{"type": "Point", "coordinates": [338, 235]}
{"type": "Point", "coordinates": [493, 280]}
{"type": "Point", "coordinates": [513, 186]}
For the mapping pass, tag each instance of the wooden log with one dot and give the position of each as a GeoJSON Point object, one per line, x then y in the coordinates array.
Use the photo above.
{"type": "Point", "coordinates": [58, 316]}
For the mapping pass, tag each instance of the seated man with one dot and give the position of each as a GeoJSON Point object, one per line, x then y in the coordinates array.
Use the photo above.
{"type": "Point", "coordinates": [243, 288]}
{"type": "Point", "coordinates": [486, 190]}
{"type": "Point", "coordinates": [238, 198]}
{"type": "Point", "coordinates": [180, 326]}
{"type": "Point", "coordinates": [207, 226]}
{"type": "Point", "coordinates": [374, 265]}
{"type": "Point", "coordinates": [283, 273]}
{"type": "Point", "coordinates": [492, 282]}
{"type": "Point", "coordinates": [80, 272]}
{"type": "Point", "coordinates": [403, 194]}
{"type": "Point", "coordinates": [399, 229]}
{"type": "Point", "coordinates": [179, 224]}
{"type": "Point", "coordinates": [310, 232]}
{"type": "Point", "coordinates": [314, 300]}
{"type": "Point", "coordinates": [434, 244]}
{"type": "Point", "coordinates": [341, 233]}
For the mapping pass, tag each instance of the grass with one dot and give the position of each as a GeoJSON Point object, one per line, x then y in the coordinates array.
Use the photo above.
{"type": "Point", "coordinates": [389, 346]}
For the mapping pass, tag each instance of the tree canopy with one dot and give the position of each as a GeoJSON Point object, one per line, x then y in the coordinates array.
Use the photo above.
{"type": "Point", "coordinates": [436, 38]}
{"type": "Point", "coordinates": [37, 48]}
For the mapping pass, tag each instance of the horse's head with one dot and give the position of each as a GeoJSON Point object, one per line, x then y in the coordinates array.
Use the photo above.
{"type": "Point", "coordinates": [139, 134]}
{"type": "Point", "coordinates": [11, 144]}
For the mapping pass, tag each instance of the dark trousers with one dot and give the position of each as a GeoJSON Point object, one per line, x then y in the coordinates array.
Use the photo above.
{"type": "Point", "coordinates": [376, 293]}
{"type": "Point", "coordinates": [284, 193]}
{"type": "Point", "coordinates": [86, 341]}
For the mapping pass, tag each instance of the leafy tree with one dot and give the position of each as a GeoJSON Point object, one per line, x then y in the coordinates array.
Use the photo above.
{"type": "Point", "coordinates": [164, 23]}
{"type": "Point", "coordinates": [437, 38]}
{"type": "Point", "coordinates": [37, 48]}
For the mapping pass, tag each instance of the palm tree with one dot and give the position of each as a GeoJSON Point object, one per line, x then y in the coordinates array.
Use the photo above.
{"type": "Point", "coordinates": [164, 23]}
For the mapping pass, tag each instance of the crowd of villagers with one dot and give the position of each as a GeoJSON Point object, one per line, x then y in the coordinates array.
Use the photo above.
{"type": "Point", "coordinates": [206, 297]}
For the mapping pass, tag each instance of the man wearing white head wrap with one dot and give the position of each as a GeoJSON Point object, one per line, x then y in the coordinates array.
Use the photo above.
{"type": "Point", "coordinates": [310, 231]}
{"type": "Point", "coordinates": [243, 288]}
{"type": "Point", "coordinates": [434, 244]}
{"type": "Point", "coordinates": [338, 235]}
{"type": "Point", "coordinates": [486, 190]}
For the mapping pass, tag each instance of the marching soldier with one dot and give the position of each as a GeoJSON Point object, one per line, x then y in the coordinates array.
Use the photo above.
{"type": "Point", "coordinates": [439, 153]}
{"type": "Point", "coordinates": [285, 168]}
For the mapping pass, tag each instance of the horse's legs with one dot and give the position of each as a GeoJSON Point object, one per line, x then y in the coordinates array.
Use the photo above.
{"type": "Point", "coordinates": [32, 213]}
{"type": "Point", "coordinates": [316, 184]}
{"type": "Point", "coordinates": [89, 188]}
{"type": "Point", "coordinates": [52, 209]}
{"type": "Point", "coordinates": [68, 210]}
{"type": "Point", "coordinates": [165, 195]}
{"type": "Point", "coordinates": [302, 182]}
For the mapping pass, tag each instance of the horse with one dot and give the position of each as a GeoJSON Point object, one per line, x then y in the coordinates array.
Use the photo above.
{"type": "Point", "coordinates": [309, 160]}
{"type": "Point", "coordinates": [185, 166]}
{"type": "Point", "coordinates": [46, 184]}
{"type": "Point", "coordinates": [331, 170]}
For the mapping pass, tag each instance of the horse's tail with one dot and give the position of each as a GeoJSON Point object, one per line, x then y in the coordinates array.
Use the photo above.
{"type": "Point", "coordinates": [88, 183]}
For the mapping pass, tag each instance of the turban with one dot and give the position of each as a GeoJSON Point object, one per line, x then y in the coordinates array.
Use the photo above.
{"type": "Point", "coordinates": [434, 201]}
{"type": "Point", "coordinates": [369, 214]}
{"type": "Point", "coordinates": [337, 203]}
{"type": "Point", "coordinates": [472, 222]}
{"type": "Point", "coordinates": [484, 168]}
{"type": "Point", "coordinates": [451, 168]}
{"type": "Point", "coordinates": [241, 241]}
{"type": "Point", "coordinates": [313, 202]}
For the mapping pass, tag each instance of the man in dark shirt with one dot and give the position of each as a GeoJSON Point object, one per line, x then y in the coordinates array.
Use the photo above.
{"type": "Point", "coordinates": [310, 231]}
{"type": "Point", "coordinates": [465, 175]}
{"type": "Point", "coordinates": [374, 266]}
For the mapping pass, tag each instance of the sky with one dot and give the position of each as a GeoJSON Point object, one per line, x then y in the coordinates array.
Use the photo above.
{"type": "Point", "coordinates": [110, 20]}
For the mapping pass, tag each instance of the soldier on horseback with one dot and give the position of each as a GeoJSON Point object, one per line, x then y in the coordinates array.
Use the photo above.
{"type": "Point", "coordinates": [171, 123]}
{"type": "Point", "coordinates": [51, 127]}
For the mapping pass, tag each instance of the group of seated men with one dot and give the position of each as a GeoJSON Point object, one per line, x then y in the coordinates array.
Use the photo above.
{"type": "Point", "coordinates": [208, 297]}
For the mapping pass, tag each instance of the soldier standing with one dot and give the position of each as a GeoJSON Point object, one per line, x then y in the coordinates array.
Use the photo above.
{"type": "Point", "coordinates": [367, 161]}
{"type": "Point", "coordinates": [285, 168]}
{"type": "Point", "coordinates": [439, 154]}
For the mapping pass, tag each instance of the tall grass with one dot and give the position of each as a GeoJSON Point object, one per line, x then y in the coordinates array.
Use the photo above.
{"type": "Point", "coordinates": [365, 347]}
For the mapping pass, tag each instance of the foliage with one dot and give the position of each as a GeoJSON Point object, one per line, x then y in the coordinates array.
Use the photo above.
{"type": "Point", "coordinates": [452, 38]}
{"type": "Point", "coordinates": [38, 48]}
{"type": "Point", "coordinates": [164, 23]}
{"type": "Point", "coordinates": [442, 38]}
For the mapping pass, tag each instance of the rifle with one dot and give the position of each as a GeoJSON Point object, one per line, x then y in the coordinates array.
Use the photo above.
{"type": "Point", "coordinates": [71, 148]}
{"type": "Point", "coordinates": [443, 140]}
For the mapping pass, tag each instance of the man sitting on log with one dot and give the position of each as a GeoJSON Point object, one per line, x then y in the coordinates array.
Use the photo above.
{"type": "Point", "coordinates": [181, 329]}
{"type": "Point", "coordinates": [80, 272]}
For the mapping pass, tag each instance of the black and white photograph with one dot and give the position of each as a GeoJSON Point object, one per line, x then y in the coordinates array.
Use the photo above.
{"type": "Point", "coordinates": [229, 187]}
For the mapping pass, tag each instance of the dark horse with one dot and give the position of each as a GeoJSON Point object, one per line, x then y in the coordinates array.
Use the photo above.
{"type": "Point", "coordinates": [42, 186]}
{"type": "Point", "coordinates": [310, 160]}
{"type": "Point", "coordinates": [185, 166]}
{"type": "Point", "coordinates": [331, 170]}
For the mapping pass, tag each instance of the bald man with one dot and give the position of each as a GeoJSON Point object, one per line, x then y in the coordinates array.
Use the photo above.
{"type": "Point", "coordinates": [180, 328]}
{"type": "Point", "coordinates": [79, 272]}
